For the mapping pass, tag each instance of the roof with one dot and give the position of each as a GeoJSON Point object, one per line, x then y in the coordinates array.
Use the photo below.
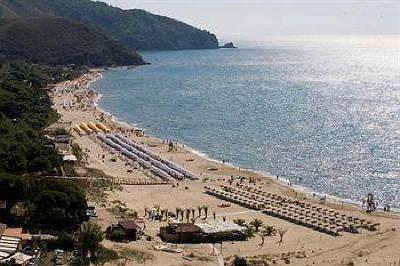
{"type": "Point", "coordinates": [128, 224]}
{"type": "Point", "coordinates": [63, 148]}
{"type": "Point", "coordinates": [70, 158]}
{"type": "Point", "coordinates": [20, 258]}
{"type": "Point", "coordinates": [15, 233]}
{"type": "Point", "coordinates": [8, 245]}
{"type": "Point", "coordinates": [4, 255]}
{"type": "Point", "coordinates": [220, 227]}
{"type": "Point", "coordinates": [58, 125]}
{"type": "Point", "coordinates": [185, 228]}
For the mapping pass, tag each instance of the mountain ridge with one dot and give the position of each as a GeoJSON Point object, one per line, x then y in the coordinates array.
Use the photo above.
{"type": "Point", "coordinates": [134, 28]}
{"type": "Point", "coordinates": [57, 41]}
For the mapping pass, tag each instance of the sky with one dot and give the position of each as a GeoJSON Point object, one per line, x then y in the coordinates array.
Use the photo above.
{"type": "Point", "coordinates": [257, 19]}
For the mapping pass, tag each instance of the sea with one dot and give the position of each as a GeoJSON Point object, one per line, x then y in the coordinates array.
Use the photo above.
{"type": "Point", "coordinates": [320, 112]}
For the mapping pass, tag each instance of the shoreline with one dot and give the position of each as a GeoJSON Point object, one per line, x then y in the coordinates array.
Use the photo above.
{"type": "Point", "coordinates": [137, 190]}
{"type": "Point", "coordinates": [282, 181]}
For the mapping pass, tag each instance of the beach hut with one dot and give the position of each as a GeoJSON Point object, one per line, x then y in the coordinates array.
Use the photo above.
{"type": "Point", "coordinates": [131, 229]}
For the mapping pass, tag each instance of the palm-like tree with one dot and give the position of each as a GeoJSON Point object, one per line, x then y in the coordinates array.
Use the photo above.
{"type": "Point", "coordinates": [188, 215]}
{"type": "Point", "coordinates": [281, 233]}
{"type": "Point", "coordinates": [166, 214]}
{"type": "Point", "coordinates": [178, 211]}
{"type": "Point", "coordinates": [249, 232]}
{"type": "Point", "coordinates": [257, 223]}
{"type": "Point", "coordinates": [205, 207]}
{"type": "Point", "coordinates": [240, 222]}
{"type": "Point", "coordinates": [268, 230]}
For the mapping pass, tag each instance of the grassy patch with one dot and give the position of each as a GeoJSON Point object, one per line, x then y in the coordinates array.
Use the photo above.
{"type": "Point", "coordinates": [135, 255]}
{"type": "Point", "coordinates": [106, 255]}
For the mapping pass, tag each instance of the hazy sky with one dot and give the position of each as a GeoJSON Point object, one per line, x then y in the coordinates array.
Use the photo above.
{"type": "Point", "coordinates": [254, 19]}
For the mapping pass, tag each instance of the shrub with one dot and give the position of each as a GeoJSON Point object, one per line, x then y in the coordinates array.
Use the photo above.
{"type": "Point", "coordinates": [239, 261]}
{"type": "Point", "coordinates": [105, 255]}
{"type": "Point", "coordinates": [65, 242]}
{"type": "Point", "coordinates": [117, 235]}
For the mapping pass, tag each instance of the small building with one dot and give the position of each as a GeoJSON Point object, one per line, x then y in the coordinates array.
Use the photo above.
{"type": "Point", "coordinates": [62, 139]}
{"type": "Point", "coordinates": [139, 132]}
{"type": "Point", "coordinates": [181, 233]}
{"type": "Point", "coordinates": [202, 233]}
{"type": "Point", "coordinates": [57, 127]}
{"type": "Point", "coordinates": [132, 230]}
{"type": "Point", "coordinates": [70, 158]}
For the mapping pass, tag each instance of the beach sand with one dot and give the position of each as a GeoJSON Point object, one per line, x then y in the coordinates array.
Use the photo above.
{"type": "Point", "coordinates": [301, 245]}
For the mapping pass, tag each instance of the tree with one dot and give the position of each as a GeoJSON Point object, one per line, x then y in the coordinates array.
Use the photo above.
{"type": "Point", "coordinates": [266, 231]}
{"type": "Point", "coordinates": [188, 215]}
{"type": "Point", "coordinates": [249, 232]}
{"type": "Point", "coordinates": [205, 207]}
{"type": "Point", "coordinates": [89, 237]}
{"type": "Point", "coordinates": [51, 207]}
{"type": "Point", "coordinates": [239, 261]}
{"type": "Point", "coordinates": [178, 211]}
{"type": "Point", "coordinates": [117, 235]}
{"type": "Point", "coordinates": [240, 222]}
{"type": "Point", "coordinates": [257, 223]}
{"type": "Point", "coordinates": [281, 233]}
{"type": "Point", "coordinates": [161, 216]}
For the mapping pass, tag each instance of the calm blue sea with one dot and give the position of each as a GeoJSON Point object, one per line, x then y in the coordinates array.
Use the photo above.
{"type": "Point", "coordinates": [325, 114]}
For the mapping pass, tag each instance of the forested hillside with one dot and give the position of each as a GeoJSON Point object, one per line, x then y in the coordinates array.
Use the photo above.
{"type": "Point", "coordinates": [135, 28]}
{"type": "Point", "coordinates": [24, 151]}
{"type": "Point", "coordinates": [57, 41]}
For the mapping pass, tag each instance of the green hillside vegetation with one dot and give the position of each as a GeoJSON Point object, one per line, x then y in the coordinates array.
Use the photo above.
{"type": "Point", "coordinates": [135, 28]}
{"type": "Point", "coordinates": [57, 41]}
{"type": "Point", "coordinates": [12, 9]}
{"type": "Point", "coordinates": [24, 112]}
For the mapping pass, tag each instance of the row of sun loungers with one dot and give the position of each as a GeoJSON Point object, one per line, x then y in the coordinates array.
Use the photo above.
{"type": "Point", "coordinates": [135, 182]}
{"type": "Point", "coordinates": [315, 217]}
{"type": "Point", "coordinates": [145, 158]}
{"type": "Point", "coordinates": [90, 128]}
{"type": "Point", "coordinates": [307, 208]}
{"type": "Point", "coordinates": [172, 168]}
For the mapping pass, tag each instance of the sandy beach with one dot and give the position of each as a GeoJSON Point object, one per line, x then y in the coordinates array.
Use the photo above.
{"type": "Point", "coordinates": [76, 103]}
